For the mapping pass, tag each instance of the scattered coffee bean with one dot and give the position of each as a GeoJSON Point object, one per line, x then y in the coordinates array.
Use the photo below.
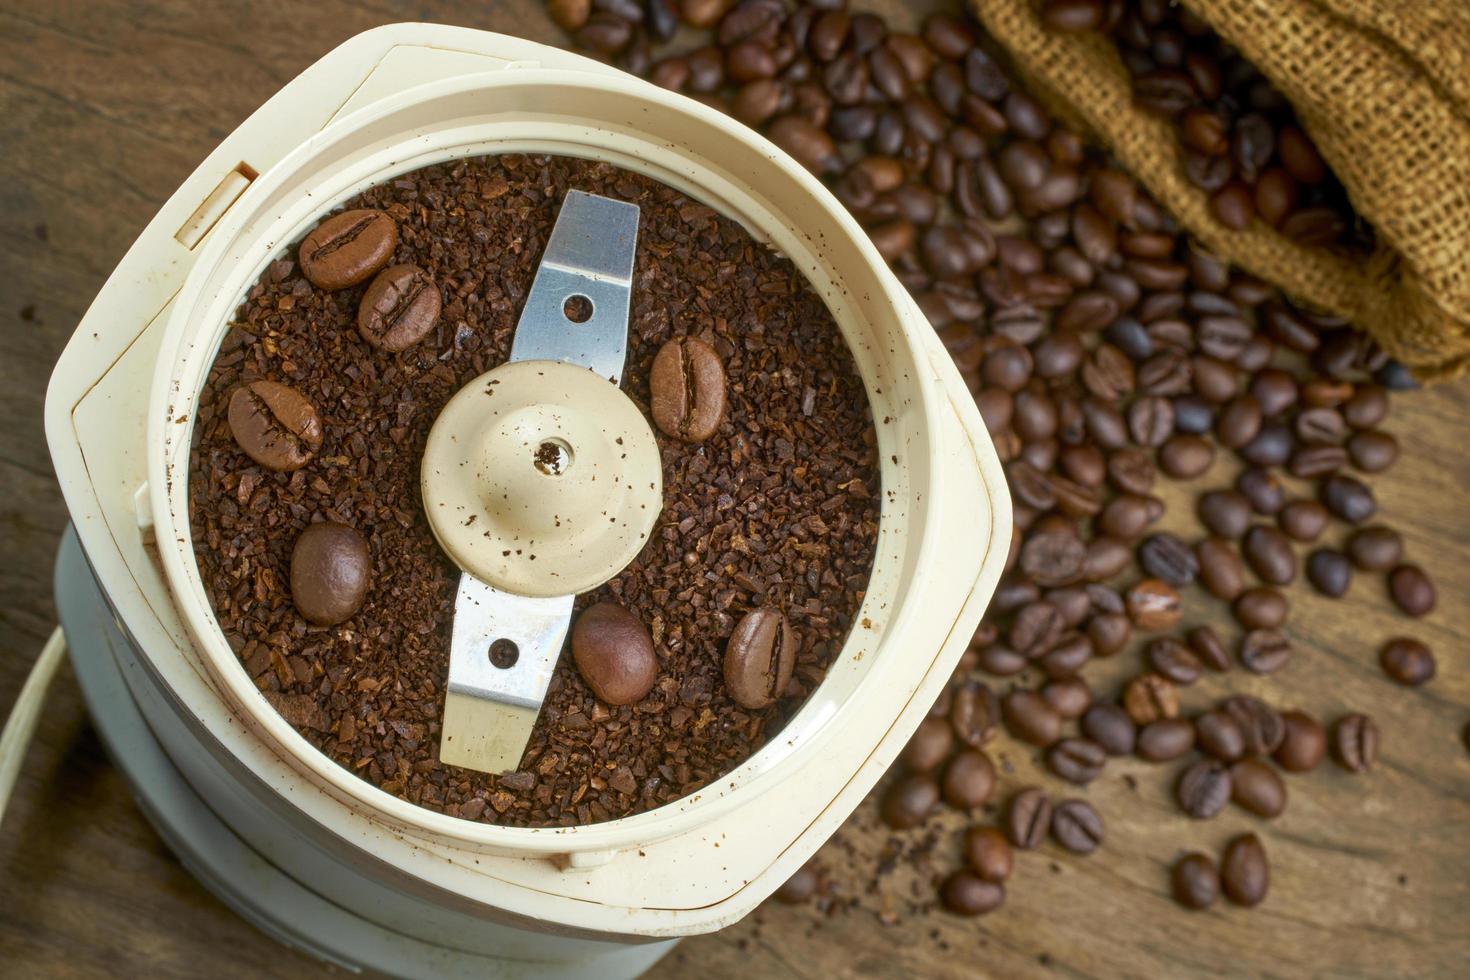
{"type": "Point", "coordinates": [1407, 661]}
{"type": "Point", "coordinates": [1196, 882]}
{"type": "Point", "coordinates": [614, 653]}
{"type": "Point", "coordinates": [347, 248]}
{"type": "Point", "coordinates": [274, 425]}
{"type": "Point", "coordinates": [800, 887]}
{"type": "Point", "coordinates": [1375, 548]}
{"type": "Point", "coordinates": [1373, 451]}
{"type": "Point", "coordinates": [988, 853]}
{"type": "Point", "coordinates": [1348, 498]}
{"type": "Point", "coordinates": [1069, 697]}
{"type": "Point", "coordinates": [1355, 742]}
{"type": "Point", "coordinates": [1330, 572]}
{"type": "Point", "coordinates": [966, 893]}
{"type": "Point", "coordinates": [1220, 569]}
{"type": "Point", "coordinates": [1303, 520]}
{"type": "Point", "coordinates": [1030, 718]}
{"type": "Point", "coordinates": [969, 779]}
{"type": "Point", "coordinates": [1303, 744]}
{"type": "Point", "coordinates": [1150, 697]}
{"type": "Point", "coordinates": [1261, 609]}
{"type": "Point", "coordinates": [1256, 786]}
{"type": "Point", "coordinates": [1172, 659]}
{"type": "Point", "coordinates": [1209, 648]}
{"type": "Point", "coordinates": [1077, 826]}
{"type": "Point", "coordinates": [1218, 734]}
{"type": "Point", "coordinates": [1165, 556]}
{"type": "Point", "coordinates": [1244, 874]}
{"type": "Point", "coordinates": [1226, 513]}
{"type": "Point", "coordinates": [1027, 818]}
{"type": "Point", "coordinates": [1110, 726]}
{"type": "Point", "coordinates": [1411, 590]}
{"type": "Point", "coordinates": [1077, 760]}
{"type": "Point", "coordinates": [1153, 605]}
{"type": "Point", "coordinates": [929, 746]}
{"type": "Point", "coordinates": [759, 658]}
{"type": "Point", "coordinates": [1259, 723]}
{"type": "Point", "coordinates": [909, 801]}
{"type": "Point", "coordinates": [331, 572]}
{"type": "Point", "coordinates": [974, 714]}
{"type": "Point", "coordinates": [399, 309]}
{"type": "Point", "coordinates": [1165, 739]}
{"type": "Point", "coordinates": [1203, 789]}
{"type": "Point", "coordinates": [687, 387]}
{"type": "Point", "coordinates": [1269, 555]}
{"type": "Point", "coordinates": [1264, 651]}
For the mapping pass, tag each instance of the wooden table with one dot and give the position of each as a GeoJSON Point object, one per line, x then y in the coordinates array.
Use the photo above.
{"type": "Point", "coordinates": [106, 106]}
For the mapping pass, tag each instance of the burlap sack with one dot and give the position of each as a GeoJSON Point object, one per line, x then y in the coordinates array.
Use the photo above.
{"type": "Point", "coordinates": [1382, 87]}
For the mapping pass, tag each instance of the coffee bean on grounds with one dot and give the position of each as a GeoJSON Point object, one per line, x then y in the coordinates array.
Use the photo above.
{"type": "Point", "coordinates": [614, 653]}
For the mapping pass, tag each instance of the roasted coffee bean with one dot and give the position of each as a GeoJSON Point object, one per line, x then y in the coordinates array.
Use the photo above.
{"type": "Point", "coordinates": [759, 658]}
{"type": "Point", "coordinates": [1348, 498]}
{"type": "Point", "coordinates": [331, 571]}
{"type": "Point", "coordinates": [1322, 426]}
{"type": "Point", "coordinates": [1153, 605]}
{"type": "Point", "coordinates": [1355, 742]}
{"type": "Point", "coordinates": [1084, 464]}
{"type": "Point", "coordinates": [1314, 462]}
{"type": "Point", "coordinates": [1269, 554]}
{"type": "Point", "coordinates": [1209, 648]}
{"type": "Point", "coordinates": [569, 14]}
{"type": "Point", "coordinates": [1262, 490]}
{"type": "Point", "coordinates": [974, 714]}
{"type": "Point", "coordinates": [1109, 633]}
{"type": "Point", "coordinates": [1077, 826]}
{"type": "Point", "coordinates": [1303, 520]}
{"type": "Point", "coordinates": [274, 425]}
{"type": "Point", "coordinates": [1002, 661]}
{"type": "Point", "coordinates": [1195, 882]}
{"type": "Point", "coordinates": [988, 853]}
{"type": "Point", "coordinates": [1407, 661]}
{"type": "Point", "coordinates": [1030, 718]}
{"type": "Point", "coordinates": [1272, 446]}
{"type": "Point", "coordinates": [1027, 818]}
{"type": "Point", "coordinates": [1218, 734]}
{"type": "Point", "coordinates": [929, 746]}
{"type": "Point", "coordinates": [1220, 569]}
{"type": "Point", "coordinates": [967, 894]}
{"type": "Point", "coordinates": [1165, 556]}
{"type": "Point", "coordinates": [1053, 558]}
{"type": "Point", "coordinates": [1184, 457]}
{"type": "Point", "coordinates": [909, 801]}
{"type": "Point", "coordinates": [1069, 697]}
{"type": "Point", "coordinates": [1225, 512]}
{"type": "Point", "coordinates": [805, 141]}
{"type": "Point", "coordinates": [1259, 723]}
{"type": "Point", "coordinates": [1125, 517]}
{"type": "Point", "coordinates": [1372, 451]}
{"type": "Point", "coordinates": [399, 309]}
{"type": "Point", "coordinates": [1215, 381]}
{"type": "Point", "coordinates": [1244, 874]}
{"type": "Point", "coordinates": [605, 33]}
{"type": "Point", "coordinates": [1255, 786]}
{"type": "Point", "coordinates": [614, 653]}
{"type": "Point", "coordinates": [1151, 420]}
{"type": "Point", "coordinates": [1261, 609]}
{"type": "Point", "coordinates": [688, 390]}
{"type": "Point", "coordinates": [1330, 572]}
{"type": "Point", "coordinates": [1108, 374]}
{"type": "Point", "coordinates": [1203, 789]}
{"type": "Point", "coordinates": [1172, 659]}
{"type": "Point", "coordinates": [800, 887]}
{"type": "Point", "coordinates": [1264, 651]}
{"type": "Point", "coordinates": [969, 779]}
{"type": "Point", "coordinates": [347, 248]}
{"type": "Point", "coordinates": [1110, 727]}
{"type": "Point", "coordinates": [1375, 549]}
{"type": "Point", "coordinates": [1149, 697]}
{"type": "Point", "coordinates": [1165, 739]}
{"type": "Point", "coordinates": [1077, 760]}
{"type": "Point", "coordinates": [1036, 628]}
{"type": "Point", "coordinates": [1303, 744]}
{"type": "Point", "coordinates": [1412, 590]}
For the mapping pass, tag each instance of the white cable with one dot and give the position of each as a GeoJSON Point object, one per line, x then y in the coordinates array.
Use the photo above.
{"type": "Point", "coordinates": [20, 727]}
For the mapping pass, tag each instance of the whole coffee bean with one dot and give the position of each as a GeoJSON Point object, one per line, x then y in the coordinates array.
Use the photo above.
{"type": "Point", "coordinates": [1303, 744]}
{"type": "Point", "coordinates": [1036, 628]}
{"type": "Point", "coordinates": [1027, 818]}
{"type": "Point", "coordinates": [1375, 549]}
{"type": "Point", "coordinates": [399, 309]}
{"type": "Point", "coordinates": [969, 779]}
{"type": "Point", "coordinates": [1110, 727]}
{"type": "Point", "coordinates": [1256, 786]}
{"type": "Point", "coordinates": [1373, 451]}
{"type": "Point", "coordinates": [1220, 570]}
{"type": "Point", "coordinates": [1053, 558]}
{"type": "Point", "coordinates": [1203, 789]}
{"type": "Point", "coordinates": [806, 142]}
{"type": "Point", "coordinates": [1259, 723]}
{"type": "Point", "coordinates": [1153, 605]}
{"type": "Point", "coordinates": [1077, 760]}
{"type": "Point", "coordinates": [1149, 697]}
{"type": "Point", "coordinates": [569, 14]}
{"type": "Point", "coordinates": [988, 853]}
{"type": "Point", "coordinates": [1261, 609]}
{"type": "Point", "coordinates": [929, 746]}
{"type": "Point", "coordinates": [1313, 462]}
{"type": "Point", "coordinates": [1125, 517]}
{"type": "Point", "coordinates": [614, 653]}
{"type": "Point", "coordinates": [974, 714]}
{"type": "Point", "coordinates": [1412, 590]}
{"type": "Point", "coordinates": [1001, 661]}
{"type": "Point", "coordinates": [909, 801]}
{"type": "Point", "coordinates": [1272, 446]}
{"type": "Point", "coordinates": [1244, 874]}
{"type": "Point", "coordinates": [1172, 659]}
{"type": "Point", "coordinates": [965, 893]}
{"type": "Point", "coordinates": [1030, 718]}
{"type": "Point", "coordinates": [800, 887]}
{"type": "Point", "coordinates": [1151, 420]}
{"type": "Point", "coordinates": [1069, 697]}
{"type": "Point", "coordinates": [687, 389]}
{"type": "Point", "coordinates": [1303, 520]}
{"type": "Point", "coordinates": [606, 33]}
{"type": "Point", "coordinates": [1165, 739]}
{"type": "Point", "coordinates": [1355, 742]}
{"type": "Point", "coordinates": [1407, 661]}
{"type": "Point", "coordinates": [274, 425]}
{"type": "Point", "coordinates": [1217, 734]}
{"type": "Point", "coordinates": [347, 248]}
{"type": "Point", "coordinates": [1262, 490]}
{"type": "Point", "coordinates": [1348, 498]}
{"type": "Point", "coordinates": [1239, 422]}
{"type": "Point", "coordinates": [1131, 471]}
{"type": "Point", "coordinates": [1077, 826]}
{"type": "Point", "coordinates": [1165, 556]}
{"type": "Point", "coordinates": [1195, 882]}
{"type": "Point", "coordinates": [1185, 456]}
{"type": "Point", "coordinates": [1269, 554]}
{"type": "Point", "coordinates": [331, 571]}
{"type": "Point", "coordinates": [1275, 390]}
{"type": "Point", "coordinates": [1215, 381]}
{"type": "Point", "coordinates": [1264, 651]}
{"type": "Point", "coordinates": [1330, 572]}
{"type": "Point", "coordinates": [1208, 647]}
{"type": "Point", "coordinates": [759, 658]}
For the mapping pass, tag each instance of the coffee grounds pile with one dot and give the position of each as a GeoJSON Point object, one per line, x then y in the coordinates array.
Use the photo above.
{"type": "Point", "coordinates": [779, 507]}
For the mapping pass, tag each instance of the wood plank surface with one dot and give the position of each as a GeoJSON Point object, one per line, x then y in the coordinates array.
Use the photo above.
{"type": "Point", "coordinates": [105, 106]}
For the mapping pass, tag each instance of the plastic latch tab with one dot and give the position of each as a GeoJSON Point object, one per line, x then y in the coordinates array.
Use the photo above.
{"type": "Point", "coordinates": [214, 206]}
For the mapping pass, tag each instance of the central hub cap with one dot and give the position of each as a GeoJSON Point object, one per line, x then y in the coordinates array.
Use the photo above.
{"type": "Point", "coordinates": [541, 478]}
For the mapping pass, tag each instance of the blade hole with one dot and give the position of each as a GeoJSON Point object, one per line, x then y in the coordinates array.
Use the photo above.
{"type": "Point", "coordinates": [577, 308]}
{"type": "Point", "coordinates": [504, 653]}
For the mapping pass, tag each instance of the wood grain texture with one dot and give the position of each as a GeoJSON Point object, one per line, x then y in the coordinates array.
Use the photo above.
{"type": "Point", "coordinates": [104, 109]}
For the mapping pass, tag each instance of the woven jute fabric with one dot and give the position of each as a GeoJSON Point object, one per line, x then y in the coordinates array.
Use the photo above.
{"type": "Point", "coordinates": [1382, 87]}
